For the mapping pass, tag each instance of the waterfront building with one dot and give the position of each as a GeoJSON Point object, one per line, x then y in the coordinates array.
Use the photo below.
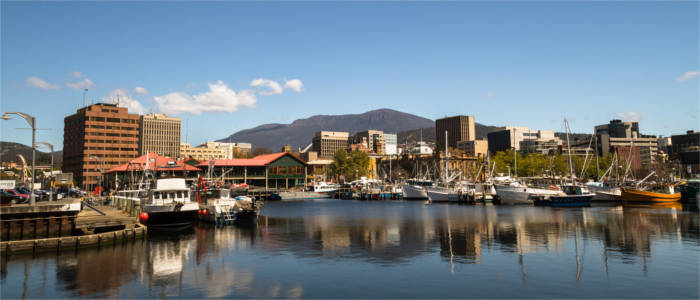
{"type": "Point", "coordinates": [160, 134]}
{"type": "Point", "coordinates": [317, 168]}
{"type": "Point", "coordinates": [202, 152]}
{"type": "Point", "coordinates": [511, 137]}
{"type": "Point", "coordinates": [459, 128]}
{"type": "Point", "coordinates": [97, 132]}
{"type": "Point", "coordinates": [232, 150]}
{"type": "Point", "coordinates": [368, 135]}
{"type": "Point", "coordinates": [160, 165]}
{"type": "Point", "coordinates": [326, 143]}
{"type": "Point", "coordinates": [475, 148]}
{"type": "Point", "coordinates": [391, 144]}
{"type": "Point", "coordinates": [618, 134]}
{"type": "Point", "coordinates": [422, 149]}
{"type": "Point", "coordinates": [272, 171]}
{"type": "Point", "coordinates": [545, 147]}
{"type": "Point", "coordinates": [686, 149]}
{"type": "Point", "coordinates": [618, 129]}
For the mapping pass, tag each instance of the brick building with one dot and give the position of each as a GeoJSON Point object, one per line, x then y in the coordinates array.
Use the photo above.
{"type": "Point", "coordinates": [101, 130]}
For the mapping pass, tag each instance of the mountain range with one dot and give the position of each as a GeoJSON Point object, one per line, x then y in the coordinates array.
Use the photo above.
{"type": "Point", "coordinates": [9, 151]}
{"type": "Point", "coordinates": [298, 134]}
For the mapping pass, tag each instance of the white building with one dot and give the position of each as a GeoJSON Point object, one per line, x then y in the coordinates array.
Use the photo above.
{"type": "Point", "coordinates": [391, 141]}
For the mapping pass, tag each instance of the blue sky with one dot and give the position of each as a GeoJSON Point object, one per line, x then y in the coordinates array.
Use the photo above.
{"type": "Point", "coordinates": [222, 66]}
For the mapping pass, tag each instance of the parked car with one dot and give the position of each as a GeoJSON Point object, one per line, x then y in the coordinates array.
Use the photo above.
{"type": "Point", "coordinates": [7, 198]}
{"type": "Point", "coordinates": [19, 196]}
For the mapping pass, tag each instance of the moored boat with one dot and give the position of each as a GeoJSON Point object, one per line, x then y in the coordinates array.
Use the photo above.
{"type": "Point", "coordinates": [168, 204]}
{"type": "Point", "coordinates": [414, 189]}
{"type": "Point", "coordinates": [576, 196]}
{"type": "Point", "coordinates": [220, 207]}
{"type": "Point", "coordinates": [641, 196]}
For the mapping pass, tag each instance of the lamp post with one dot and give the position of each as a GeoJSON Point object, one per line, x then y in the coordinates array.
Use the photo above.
{"type": "Point", "coordinates": [51, 176]}
{"type": "Point", "coordinates": [32, 122]}
{"type": "Point", "coordinates": [101, 170]}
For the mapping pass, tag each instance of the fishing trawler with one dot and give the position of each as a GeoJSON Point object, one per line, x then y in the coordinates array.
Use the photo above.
{"type": "Point", "coordinates": [221, 207]}
{"type": "Point", "coordinates": [414, 189]}
{"type": "Point", "coordinates": [167, 204]}
{"type": "Point", "coordinates": [656, 194]}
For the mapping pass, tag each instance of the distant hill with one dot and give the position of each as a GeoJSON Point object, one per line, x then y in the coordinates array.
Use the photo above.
{"type": "Point", "coordinates": [300, 132]}
{"type": "Point", "coordinates": [9, 151]}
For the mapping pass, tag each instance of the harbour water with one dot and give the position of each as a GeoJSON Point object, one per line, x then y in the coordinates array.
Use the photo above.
{"type": "Point", "coordinates": [389, 249]}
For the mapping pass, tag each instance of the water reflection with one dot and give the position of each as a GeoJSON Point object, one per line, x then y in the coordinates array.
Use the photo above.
{"type": "Point", "coordinates": [295, 253]}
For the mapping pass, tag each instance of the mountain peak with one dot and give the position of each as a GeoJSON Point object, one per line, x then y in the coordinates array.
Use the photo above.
{"type": "Point", "coordinates": [300, 132]}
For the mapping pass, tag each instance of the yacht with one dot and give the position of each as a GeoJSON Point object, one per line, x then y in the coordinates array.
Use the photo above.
{"type": "Point", "coordinates": [604, 192]}
{"type": "Point", "coordinates": [325, 189]}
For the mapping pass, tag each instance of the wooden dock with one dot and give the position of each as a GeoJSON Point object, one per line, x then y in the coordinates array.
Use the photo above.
{"type": "Point", "coordinates": [91, 221]}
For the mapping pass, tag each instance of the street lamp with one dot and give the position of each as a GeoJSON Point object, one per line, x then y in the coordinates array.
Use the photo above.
{"type": "Point", "coordinates": [51, 170]}
{"type": "Point", "coordinates": [101, 170]}
{"type": "Point", "coordinates": [32, 122]}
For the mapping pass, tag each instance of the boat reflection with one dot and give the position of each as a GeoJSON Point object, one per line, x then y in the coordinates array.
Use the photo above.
{"type": "Point", "coordinates": [208, 261]}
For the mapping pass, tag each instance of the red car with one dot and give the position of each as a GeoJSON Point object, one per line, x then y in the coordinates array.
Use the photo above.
{"type": "Point", "coordinates": [15, 193]}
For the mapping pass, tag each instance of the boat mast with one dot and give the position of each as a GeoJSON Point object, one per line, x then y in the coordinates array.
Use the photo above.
{"type": "Point", "coordinates": [447, 154]}
{"type": "Point", "coordinates": [597, 167]}
{"type": "Point", "coordinates": [515, 157]}
{"type": "Point", "coordinates": [568, 147]}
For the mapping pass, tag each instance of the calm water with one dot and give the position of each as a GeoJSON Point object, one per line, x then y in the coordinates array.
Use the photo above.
{"type": "Point", "coordinates": [390, 249]}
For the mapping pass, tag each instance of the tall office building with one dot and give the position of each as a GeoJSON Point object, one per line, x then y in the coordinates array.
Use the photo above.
{"type": "Point", "coordinates": [160, 134]}
{"type": "Point", "coordinates": [325, 143]}
{"type": "Point", "coordinates": [459, 128]}
{"type": "Point", "coordinates": [98, 132]}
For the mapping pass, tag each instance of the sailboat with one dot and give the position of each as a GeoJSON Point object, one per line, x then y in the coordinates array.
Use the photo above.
{"type": "Point", "coordinates": [576, 195]}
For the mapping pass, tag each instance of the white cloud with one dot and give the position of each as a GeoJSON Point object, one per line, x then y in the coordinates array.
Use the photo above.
{"type": "Point", "coordinates": [688, 75]}
{"type": "Point", "coordinates": [266, 86]}
{"type": "Point", "coordinates": [83, 84]}
{"type": "Point", "coordinates": [630, 116]}
{"type": "Point", "coordinates": [294, 85]}
{"type": "Point", "coordinates": [219, 98]}
{"type": "Point", "coordinates": [39, 83]}
{"type": "Point", "coordinates": [140, 90]}
{"type": "Point", "coordinates": [125, 100]}
{"type": "Point", "coordinates": [75, 74]}
{"type": "Point", "coordinates": [489, 95]}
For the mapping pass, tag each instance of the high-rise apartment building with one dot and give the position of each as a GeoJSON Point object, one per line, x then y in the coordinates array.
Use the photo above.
{"type": "Point", "coordinates": [97, 132]}
{"type": "Point", "coordinates": [160, 134]}
{"type": "Point", "coordinates": [459, 128]}
{"type": "Point", "coordinates": [326, 143]}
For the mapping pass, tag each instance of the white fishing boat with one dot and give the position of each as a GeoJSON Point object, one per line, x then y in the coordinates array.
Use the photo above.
{"type": "Point", "coordinates": [168, 204]}
{"type": "Point", "coordinates": [603, 192]}
{"type": "Point", "coordinates": [441, 194]}
{"type": "Point", "coordinates": [325, 190]}
{"type": "Point", "coordinates": [522, 194]}
{"type": "Point", "coordinates": [220, 207]}
{"type": "Point", "coordinates": [415, 189]}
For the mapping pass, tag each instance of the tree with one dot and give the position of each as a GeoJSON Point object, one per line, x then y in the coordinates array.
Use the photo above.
{"type": "Point", "coordinates": [351, 165]}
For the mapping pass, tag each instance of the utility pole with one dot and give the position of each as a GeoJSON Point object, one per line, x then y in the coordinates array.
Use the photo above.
{"type": "Point", "coordinates": [32, 122]}
{"type": "Point", "coordinates": [51, 173]}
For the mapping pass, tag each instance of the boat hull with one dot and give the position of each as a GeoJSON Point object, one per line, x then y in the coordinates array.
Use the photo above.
{"type": "Point", "coordinates": [522, 195]}
{"type": "Point", "coordinates": [411, 192]}
{"type": "Point", "coordinates": [637, 196]}
{"type": "Point", "coordinates": [172, 219]}
{"type": "Point", "coordinates": [607, 196]}
{"type": "Point", "coordinates": [571, 200]}
{"type": "Point", "coordinates": [441, 194]}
